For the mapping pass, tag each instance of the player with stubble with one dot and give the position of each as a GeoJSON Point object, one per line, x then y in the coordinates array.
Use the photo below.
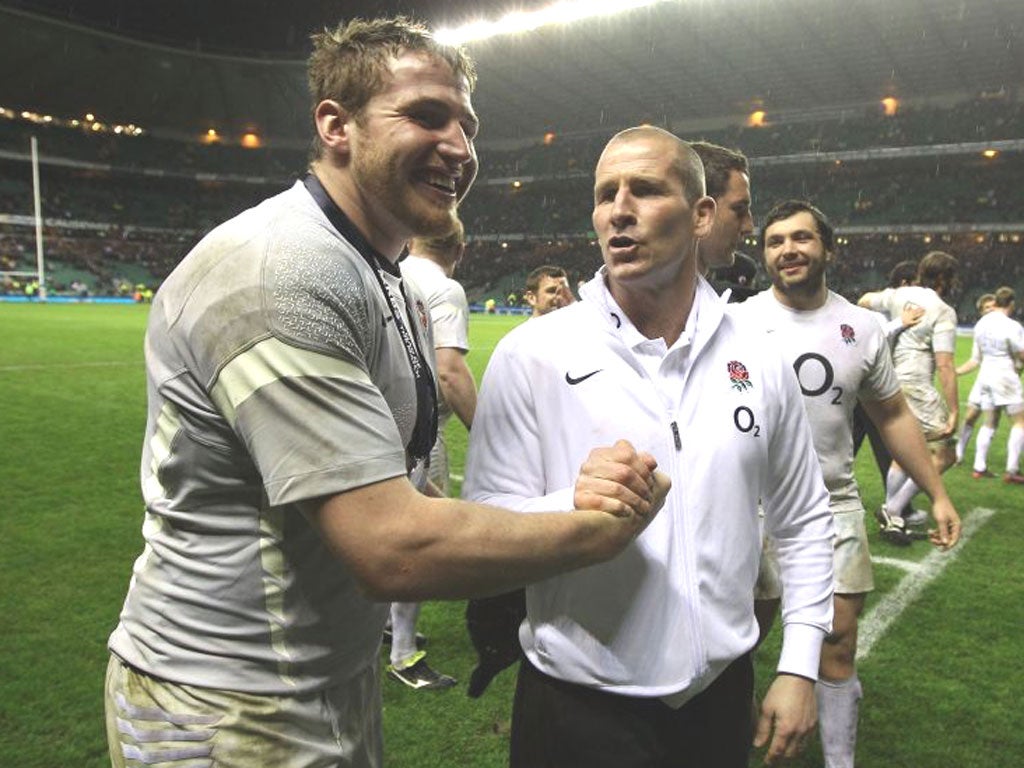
{"type": "Point", "coordinates": [291, 413]}
{"type": "Point", "coordinates": [840, 355]}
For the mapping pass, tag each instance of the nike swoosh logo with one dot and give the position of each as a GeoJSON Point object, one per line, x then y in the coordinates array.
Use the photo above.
{"type": "Point", "coordinates": [572, 381]}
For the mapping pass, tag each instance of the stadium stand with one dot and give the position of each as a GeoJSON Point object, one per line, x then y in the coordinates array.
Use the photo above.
{"type": "Point", "coordinates": [113, 201]}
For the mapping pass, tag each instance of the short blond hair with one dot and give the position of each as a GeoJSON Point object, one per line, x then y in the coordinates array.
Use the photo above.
{"type": "Point", "coordinates": [350, 62]}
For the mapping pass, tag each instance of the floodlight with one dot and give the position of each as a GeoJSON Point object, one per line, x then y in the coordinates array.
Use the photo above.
{"type": "Point", "coordinates": [565, 12]}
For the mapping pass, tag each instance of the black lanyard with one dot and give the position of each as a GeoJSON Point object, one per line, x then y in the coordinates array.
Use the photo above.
{"type": "Point", "coordinates": [425, 432]}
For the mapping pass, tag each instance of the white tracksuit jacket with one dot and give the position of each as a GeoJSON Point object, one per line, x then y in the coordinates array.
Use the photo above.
{"type": "Point", "coordinates": [726, 422]}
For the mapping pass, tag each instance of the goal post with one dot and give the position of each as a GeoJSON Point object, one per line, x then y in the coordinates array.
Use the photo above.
{"type": "Point", "coordinates": [38, 210]}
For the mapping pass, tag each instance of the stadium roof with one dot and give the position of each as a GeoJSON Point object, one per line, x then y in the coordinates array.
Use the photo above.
{"type": "Point", "coordinates": [676, 63]}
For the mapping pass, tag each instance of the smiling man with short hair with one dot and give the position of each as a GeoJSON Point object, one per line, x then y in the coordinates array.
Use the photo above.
{"type": "Point", "coordinates": [292, 408]}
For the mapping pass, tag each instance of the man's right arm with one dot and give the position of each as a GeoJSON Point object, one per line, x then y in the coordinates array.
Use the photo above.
{"type": "Point", "coordinates": [403, 545]}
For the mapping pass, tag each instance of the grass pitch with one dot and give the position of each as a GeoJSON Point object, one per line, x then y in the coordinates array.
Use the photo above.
{"type": "Point", "coordinates": [940, 684]}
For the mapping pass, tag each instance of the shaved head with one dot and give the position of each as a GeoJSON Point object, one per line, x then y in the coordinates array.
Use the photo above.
{"type": "Point", "coordinates": [686, 163]}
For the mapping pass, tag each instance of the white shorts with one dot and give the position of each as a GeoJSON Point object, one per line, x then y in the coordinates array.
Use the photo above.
{"type": "Point", "coordinates": [929, 408]}
{"type": "Point", "coordinates": [153, 721]}
{"type": "Point", "coordinates": [975, 397]}
{"type": "Point", "coordinates": [1002, 392]}
{"type": "Point", "coordinates": [851, 560]}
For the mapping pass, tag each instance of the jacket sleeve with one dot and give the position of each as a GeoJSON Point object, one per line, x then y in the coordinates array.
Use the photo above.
{"type": "Point", "coordinates": [505, 459]}
{"type": "Point", "coordinates": [797, 516]}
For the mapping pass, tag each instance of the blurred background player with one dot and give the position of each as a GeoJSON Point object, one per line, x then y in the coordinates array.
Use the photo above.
{"type": "Point", "coordinates": [547, 289]}
{"type": "Point", "coordinates": [921, 354]}
{"type": "Point", "coordinates": [840, 356]}
{"type": "Point", "coordinates": [493, 622]}
{"type": "Point", "coordinates": [904, 273]}
{"type": "Point", "coordinates": [985, 304]}
{"type": "Point", "coordinates": [428, 269]}
{"type": "Point", "coordinates": [998, 352]}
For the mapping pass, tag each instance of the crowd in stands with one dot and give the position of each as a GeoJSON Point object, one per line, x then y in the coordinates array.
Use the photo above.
{"type": "Point", "coordinates": [953, 189]}
{"type": "Point", "coordinates": [495, 269]}
{"type": "Point", "coordinates": [115, 202]}
{"type": "Point", "coordinates": [82, 262]}
{"type": "Point", "coordinates": [976, 120]}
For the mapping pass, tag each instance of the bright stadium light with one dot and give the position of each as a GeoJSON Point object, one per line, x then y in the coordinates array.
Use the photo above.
{"type": "Point", "coordinates": [526, 21]}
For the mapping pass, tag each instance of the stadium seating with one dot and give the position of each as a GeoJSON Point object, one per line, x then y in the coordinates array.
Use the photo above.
{"type": "Point", "coordinates": [117, 203]}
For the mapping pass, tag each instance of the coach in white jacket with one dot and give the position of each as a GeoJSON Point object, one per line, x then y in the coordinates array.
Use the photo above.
{"type": "Point", "coordinates": [645, 660]}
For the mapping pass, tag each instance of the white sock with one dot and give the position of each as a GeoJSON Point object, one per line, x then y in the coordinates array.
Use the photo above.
{"type": "Point", "coordinates": [981, 446]}
{"type": "Point", "coordinates": [893, 482]}
{"type": "Point", "coordinates": [961, 444]}
{"type": "Point", "coordinates": [838, 704]}
{"type": "Point", "coordinates": [902, 497]}
{"type": "Point", "coordinates": [1013, 448]}
{"type": "Point", "coordinates": [403, 631]}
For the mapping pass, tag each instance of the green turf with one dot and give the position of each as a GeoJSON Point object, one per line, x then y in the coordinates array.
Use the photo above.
{"type": "Point", "coordinates": [940, 685]}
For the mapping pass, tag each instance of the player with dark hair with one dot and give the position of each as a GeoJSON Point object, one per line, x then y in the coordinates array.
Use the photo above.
{"type": "Point", "coordinates": [727, 176]}
{"type": "Point", "coordinates": [840, 356]}
{"type": "Point", "coordinates": [291, 413]}
{"type": "Point", "coordinates": [728, 182]}
{"type": "Point", "coordinates": [547, 289]}
{"type": "Point", "coordinates": [904, 273]}
{"type": "Point", "coordinates": [920, 354]}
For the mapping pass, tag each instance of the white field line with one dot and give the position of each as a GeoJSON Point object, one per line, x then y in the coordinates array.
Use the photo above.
{"type": "Point", "coordinates": [881, 616]}
{"type": "Point", "coordinates": [894, 562]}
{"type": "Point", "coordinates": [69, 366]}
{"type": "Point", "coordinates": [456, 478]}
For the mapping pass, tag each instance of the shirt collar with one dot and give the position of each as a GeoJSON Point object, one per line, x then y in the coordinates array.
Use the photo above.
{"type": "Point", "coordinates": [700, 324]}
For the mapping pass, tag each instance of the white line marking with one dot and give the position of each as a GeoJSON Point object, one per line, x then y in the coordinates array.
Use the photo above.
{"type": "Point", "coordinates": [66, 366]}
{"type": "Point", "coordinates": [456, 478]}
{"type": "Point", "coordinates": [880, 618]}
{"type": "Point", "coordinates": [904, 565]}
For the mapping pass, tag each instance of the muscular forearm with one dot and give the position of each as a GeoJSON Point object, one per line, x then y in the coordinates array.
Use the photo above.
{"type": "Point", "coordinates": [402, 545]}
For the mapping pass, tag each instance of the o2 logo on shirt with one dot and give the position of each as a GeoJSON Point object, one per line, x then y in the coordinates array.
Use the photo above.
{"type": "Point", "coordinates": [806, 365]}
{"type": "Point", "coordinates": [742, 417]}
{"type": "Point", "coordinates": [745, 422]}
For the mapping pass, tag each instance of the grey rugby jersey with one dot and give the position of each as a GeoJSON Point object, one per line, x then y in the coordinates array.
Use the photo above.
{"type": "Point", "coordinates": [275, 375]}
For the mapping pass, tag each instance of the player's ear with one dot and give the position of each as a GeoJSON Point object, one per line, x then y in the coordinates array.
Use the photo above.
{"type": "Point", "coordinates": [703, 216]}
{"type": "Point", "coordinates": [333, 126]}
